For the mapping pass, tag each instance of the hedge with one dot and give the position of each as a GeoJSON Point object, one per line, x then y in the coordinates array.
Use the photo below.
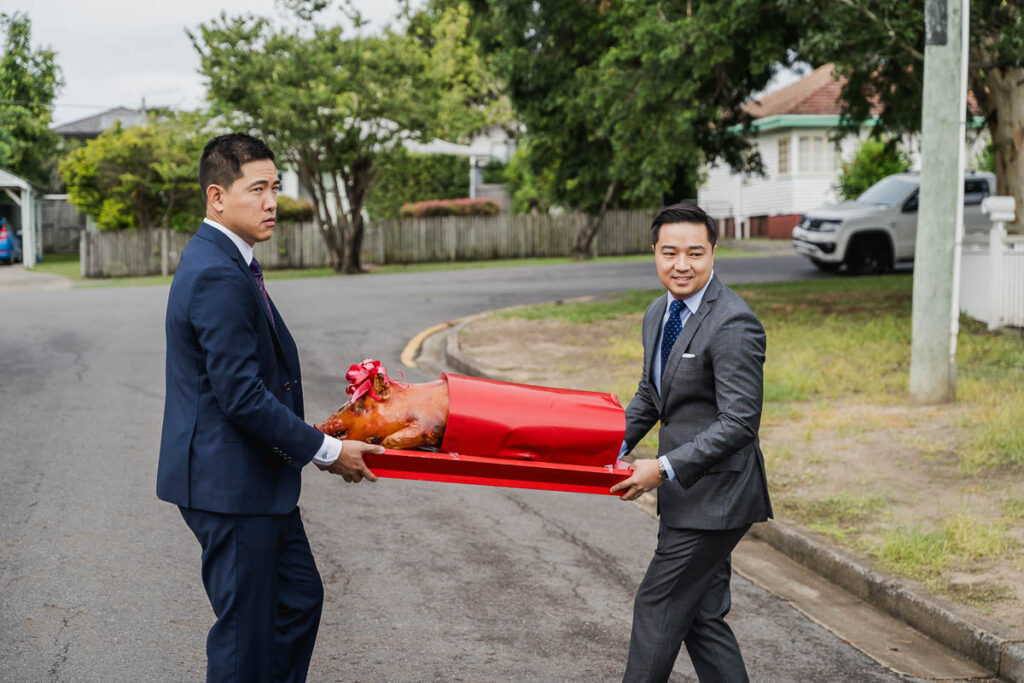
{"type": "Point", "coordinates": [450, 207]}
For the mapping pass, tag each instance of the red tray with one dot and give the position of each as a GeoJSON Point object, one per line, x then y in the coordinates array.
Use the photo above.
{"type": "Point", "coordinates": [470, 469]}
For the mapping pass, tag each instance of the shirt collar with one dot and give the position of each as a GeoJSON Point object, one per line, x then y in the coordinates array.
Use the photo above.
{"type": "Point", "coordinates": [693, 301]}
{"type": "Point", "coordinates": [243, 248]}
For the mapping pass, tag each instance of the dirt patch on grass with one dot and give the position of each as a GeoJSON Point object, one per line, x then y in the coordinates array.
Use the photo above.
{"type": "Point", "coordinates": [881, 478]}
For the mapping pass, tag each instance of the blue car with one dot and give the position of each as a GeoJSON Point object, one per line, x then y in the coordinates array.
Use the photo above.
{"type": "Point", "coordinates": [10, 245]}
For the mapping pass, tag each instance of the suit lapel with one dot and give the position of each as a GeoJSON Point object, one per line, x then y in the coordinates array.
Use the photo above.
{"type": "Point", "coordinates": [689, 329]}
{"type": "Point", "coordinates": [229, 249]}
{"type": "Point", "coordinates": [651, 335]}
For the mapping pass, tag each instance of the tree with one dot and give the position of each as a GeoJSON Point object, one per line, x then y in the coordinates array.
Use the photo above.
{"type": "Point", "coordinates": [873, 161]}
{"type": "Point", "coordinates": [878, 47]}
{"type": "Point", "coordinates": [620, 100]}
{"type": "Point", "coordinates": [29, 81]}
{"type": "Point", "coordinates": [140, 177]}
{"type": "Point", "coordinates": [333, 106]}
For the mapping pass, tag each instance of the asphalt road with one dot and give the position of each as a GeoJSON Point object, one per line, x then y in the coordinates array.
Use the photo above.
{"type": "Point", "coordinates": [100, 580]}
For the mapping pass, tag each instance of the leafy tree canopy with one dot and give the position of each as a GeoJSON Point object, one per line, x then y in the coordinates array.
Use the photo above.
{"type": "Point", "coordinates": [878, 47]}
{"type": "Point", "coordinates": [621, 99]}
{"type": "Point", "coordinates": [29, 81]}
{"type": "Point", "coordinates": [140, 177]}
{"type": "Point", "coordinates": [332, 104]}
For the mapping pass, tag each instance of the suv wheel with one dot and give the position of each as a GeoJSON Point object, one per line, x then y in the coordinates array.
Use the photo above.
{"type": "Point", "coordinates": [869, 255]}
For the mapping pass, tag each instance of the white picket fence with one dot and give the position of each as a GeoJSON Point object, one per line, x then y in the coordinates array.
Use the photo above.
{"type": "Point", "coordinates": [992, 279]}
{"type": "Point", "coordinates": [416, 240]}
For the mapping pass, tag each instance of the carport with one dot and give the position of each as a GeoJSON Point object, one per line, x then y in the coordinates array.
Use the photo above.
{"type": "Point", "coordinates": [21, 193]}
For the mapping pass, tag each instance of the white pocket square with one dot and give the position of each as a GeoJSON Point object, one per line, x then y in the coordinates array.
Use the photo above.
{"type": "Point", "coordinates": [689, 355]}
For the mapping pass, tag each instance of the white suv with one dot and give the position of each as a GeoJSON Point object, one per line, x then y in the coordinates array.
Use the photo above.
{"type": "Point", "coordinates": [870, 233]}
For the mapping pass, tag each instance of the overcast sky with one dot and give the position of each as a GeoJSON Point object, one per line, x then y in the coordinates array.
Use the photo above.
{"type": "Point", "coordinates": [117, 52]}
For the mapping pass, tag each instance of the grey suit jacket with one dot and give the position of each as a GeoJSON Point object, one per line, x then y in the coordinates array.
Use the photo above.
{"type": "Point", "coordinates": [710, 412]}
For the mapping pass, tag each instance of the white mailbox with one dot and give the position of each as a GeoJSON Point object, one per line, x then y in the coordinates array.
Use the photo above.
{"type": "Point", "coordinates": [999, 209]}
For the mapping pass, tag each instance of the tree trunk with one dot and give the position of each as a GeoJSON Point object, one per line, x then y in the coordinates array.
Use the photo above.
{"type": "Point", "coordinates": [1006, 126]}
{"type": "Point", "coordinates": [581, 250]}
{"type": "Point", "coordinates": [357, 184]}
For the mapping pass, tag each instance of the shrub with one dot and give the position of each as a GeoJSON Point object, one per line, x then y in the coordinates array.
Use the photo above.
{"type": "Point", "coordinates": [405, 177]}
{"type": "Point", "coordinates": [450, 207]}
{"type": "Point", "coordinates": [873, 161]}
{"type": "Point", "coordinates": [493, 172]}
{"type": "Point", "coordinates": [291, 210]}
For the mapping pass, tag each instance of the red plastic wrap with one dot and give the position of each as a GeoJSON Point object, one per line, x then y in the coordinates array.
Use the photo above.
{"type": "Point", "coordinates": [506, 420]}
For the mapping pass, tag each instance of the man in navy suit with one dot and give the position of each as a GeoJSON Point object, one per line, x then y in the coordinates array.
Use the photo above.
{"type": "Point", "coordinates": [234, 440]}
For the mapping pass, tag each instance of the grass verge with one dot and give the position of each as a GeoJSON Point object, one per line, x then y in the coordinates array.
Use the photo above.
{"type": "Point", "coordinates": [847, 454]}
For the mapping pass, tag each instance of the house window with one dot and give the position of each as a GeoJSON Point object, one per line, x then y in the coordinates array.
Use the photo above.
{"type": "Point", "coordinates": [817, 155]}
{"type": "Point", "coordinates": [783, 155]}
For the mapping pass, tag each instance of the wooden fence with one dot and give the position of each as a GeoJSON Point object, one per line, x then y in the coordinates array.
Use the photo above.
{"type": "Point", "coordinates": [418, 240]}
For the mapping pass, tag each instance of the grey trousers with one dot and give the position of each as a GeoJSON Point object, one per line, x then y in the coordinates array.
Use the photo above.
{"type": "Point", "coordinates": [684, 597]}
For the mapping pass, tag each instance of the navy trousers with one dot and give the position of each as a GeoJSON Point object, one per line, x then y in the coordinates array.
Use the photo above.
{"type": "Point", "coordinates": [263, 584]}
{"type": "Point", "coordinates": [684, 597]}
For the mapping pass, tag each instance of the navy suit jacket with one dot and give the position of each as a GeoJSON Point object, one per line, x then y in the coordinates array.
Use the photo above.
{"type": "Point", "coordinates": [233, 439]}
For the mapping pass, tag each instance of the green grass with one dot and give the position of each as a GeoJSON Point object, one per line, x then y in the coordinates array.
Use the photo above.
{"type": "Point", "coordinates": [837, 515]}
{"type": "Point", "coordinates": [923, 554]}
{"type": "Point", "coordinates": [65, 265]}
{"type": "Point", "coordinates": [1013, 507]}
{"type": "Point", "coordinates": [850, 337]}
{"type": "Point", "coordinates": [587, 312]}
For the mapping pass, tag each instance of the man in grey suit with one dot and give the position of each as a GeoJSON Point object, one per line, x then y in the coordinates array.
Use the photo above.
{"type": "Point", "coordinates": [702, 378]}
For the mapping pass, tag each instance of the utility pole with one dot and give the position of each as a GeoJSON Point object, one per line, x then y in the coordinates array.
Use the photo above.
{"type": "Point", "coordinates": [936, 313]}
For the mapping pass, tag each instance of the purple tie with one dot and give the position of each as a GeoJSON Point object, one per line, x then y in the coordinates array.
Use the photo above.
{"type": "Point", "coordinates": [257, 273]}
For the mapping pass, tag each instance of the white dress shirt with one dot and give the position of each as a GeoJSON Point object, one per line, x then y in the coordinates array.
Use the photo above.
{"type": "Point", "coordinates": [331, 447]}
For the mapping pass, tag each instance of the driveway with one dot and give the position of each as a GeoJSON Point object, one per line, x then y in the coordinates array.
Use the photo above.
{"type": "Point", "coordinates": [17, 278]}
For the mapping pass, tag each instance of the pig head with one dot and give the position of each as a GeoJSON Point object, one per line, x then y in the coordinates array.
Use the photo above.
{"type": "Point", "coordinates": [406, 416]}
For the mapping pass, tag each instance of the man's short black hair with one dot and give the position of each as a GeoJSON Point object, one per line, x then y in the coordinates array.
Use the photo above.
{"type": "Point", "coordinates": [684, 213]}
{"type": "Point", "coordinates": [223, 157]}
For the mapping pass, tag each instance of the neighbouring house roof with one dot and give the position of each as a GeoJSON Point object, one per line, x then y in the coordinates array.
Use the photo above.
{"type": "Point", "coordinates": [815, 94]}
{"type": "Point", "coordinates": [814, 101]}
{"type": "Point", "coordinates": [92, 126]}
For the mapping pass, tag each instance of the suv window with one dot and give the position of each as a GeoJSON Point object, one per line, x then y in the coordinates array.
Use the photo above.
{"type": "Point", "coordinates": [888, 191]}
{"type": "Point", "coordinates": [975, 191]}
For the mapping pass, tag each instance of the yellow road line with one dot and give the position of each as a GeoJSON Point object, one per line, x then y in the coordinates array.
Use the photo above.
{"type": "Point", "coordinates": [413, 347]}
{"type": "Point", "coordinates": [408, 356]}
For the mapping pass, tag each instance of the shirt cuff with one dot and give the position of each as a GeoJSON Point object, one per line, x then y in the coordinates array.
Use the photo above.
{"type": "Point", "coordinates": [623, 450]}
{"type": "Point", "coordinates": [328, 453]}
{"type": "Point", "coordinates": [668, 468]}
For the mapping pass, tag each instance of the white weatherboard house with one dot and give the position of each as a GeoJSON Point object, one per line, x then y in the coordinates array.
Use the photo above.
{"type": "Point", "coordinates": [792, 130]}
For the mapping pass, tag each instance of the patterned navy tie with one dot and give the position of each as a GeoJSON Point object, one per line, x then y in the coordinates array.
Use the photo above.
{"type": "Point", "coordinates": [673, 326]}
{"type": "Point", "coordinates": [257, 273]}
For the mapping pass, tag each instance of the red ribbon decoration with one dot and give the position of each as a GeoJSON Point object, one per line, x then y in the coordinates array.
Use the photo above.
{"type": "Point", "coordinates": [360, 379]}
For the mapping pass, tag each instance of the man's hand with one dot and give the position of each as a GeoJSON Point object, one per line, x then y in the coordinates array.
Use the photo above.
{"type": "Point", "coordinates": [646, 477]}
{"type": "Point", "coordinates": [350, 463]}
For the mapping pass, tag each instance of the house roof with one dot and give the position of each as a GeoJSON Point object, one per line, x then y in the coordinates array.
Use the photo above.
{"type": "Point", "coordinates": [816, 93]}
{"type": "Point", "coordinates": [92, 126]}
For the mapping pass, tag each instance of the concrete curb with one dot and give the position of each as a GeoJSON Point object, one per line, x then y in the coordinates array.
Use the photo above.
{"type": "Point", "coordinates": [944, 622]}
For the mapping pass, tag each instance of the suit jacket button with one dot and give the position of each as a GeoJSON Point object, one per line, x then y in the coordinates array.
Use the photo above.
{"type": "Point", "coordinates": [287, 386]}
